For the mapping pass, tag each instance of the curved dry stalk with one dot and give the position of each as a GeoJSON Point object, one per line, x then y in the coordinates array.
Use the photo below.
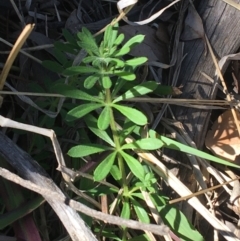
{"type": "Point", "coordinates": [30, 170]}
{"type": "Point", "coordinates": [50, 194]}
{"type": "Point", "coordinates": [13, 54]}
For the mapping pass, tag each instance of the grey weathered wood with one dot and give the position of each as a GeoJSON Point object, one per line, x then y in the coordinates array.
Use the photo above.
{"type": "Point", "coordinates": [30, 170]}
{"type": "Point", "coordinates": [221, 23]}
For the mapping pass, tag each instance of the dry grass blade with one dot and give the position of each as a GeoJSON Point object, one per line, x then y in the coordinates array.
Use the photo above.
{"type": "Point", "coordinates": [232, 3]}
{"type": "Point", "coordinates": [202, 191]}
{"type": "Point", "coordinates": [16, 48]}
{"type": "Point", "coordinates": [157, 229]}
{"type": "Point", "coordinates": [153, 17]}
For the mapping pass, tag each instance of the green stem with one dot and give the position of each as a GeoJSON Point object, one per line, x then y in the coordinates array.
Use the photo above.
{"type": "Point", "coordinates": [116, 141]}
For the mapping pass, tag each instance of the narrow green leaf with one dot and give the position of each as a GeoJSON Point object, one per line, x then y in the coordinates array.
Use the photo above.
{"type": "Point", "coordinates": [119, 39]}
{"type": "Point", "coordinates": [86, 150]}
{"type": "Point", "coordinates": [138, 90]}
{"type": "Point", "coordinates": [121, 52]}
{"type": "Point", "coordinates": [60, 56]}
{"type": "Point", "coordinates": [115, 172]}
{"type": "Point", "coordinates": [69, 37]}
{"type": "Point", "coordinates": [75, 70]}
{"type": "Point", "coordinates": [66, 47]}
{"type": "Point", "coordinates": [90, 81]}
{"type": "Point", "coordinates": [88, 42]}
{"type": "Point", "coordinates": [104, 167]}
{"type": "Point", "coordinates": [127, 129]}
{"type": "Point", "coordinates": [91, 122]}
{"type": "Point", "coordinates": [142, 237]}
{"type": "Point", "coordinates": [72, 92]}
{"type": "Point", "coordinates": [53, 66]}
{"type": "Point", "coordinates": [89, 47]}
{"type": "Point", "coordinates": [125, 213]}
{"type": "Point", "coordinates": [171, 144]}
{"type": "Point", "coordinates": [125, 75]}
{"type": "Point", "coordinates": [136, 61]}
{"type": "Point", "coordinates": [81, 111]}
{"type": "Point", "coordinates": [112, 50]}
{"type": "Point", "coordinates": [173, 218]}
{"type": "Point", "coordinates": [104, 118]}
{"type": "Point", "coordinates": [107, 36]}
{"type": "Point", "coordinates": [132, 114]}
{"type": "Point", "coordinates": [106, 82]}
{"type": "Point", "coordinates": [140, 211]}
{"type": "Point", "coordinates": [134, 41]}
{"type": "Point", "coordinates": [118, 63]}
{"type": "Point", "coordinates": [144, 144]}
{"type": "Point", "coordinates": [110, 36]}
{"type": "Point", "coordinates": [134, 165]}
{"type": "Point", "coordinates": [89, 59]}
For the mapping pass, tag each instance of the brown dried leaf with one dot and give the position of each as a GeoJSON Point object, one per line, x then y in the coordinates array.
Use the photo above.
{"type": "Point", "coordinates": [223, 139]}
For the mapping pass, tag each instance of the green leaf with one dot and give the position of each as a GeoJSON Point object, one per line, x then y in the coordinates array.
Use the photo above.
{"type": "Point", "coordinates": [91, 122]}
{"type": "Point", "coordinates": [125, 75]}
{"type": "Point", "coordinates": [106, 232]}
{"type": "Point", "coordinates": [66, 47]}
{"type": "Point", "coordinates": [118, 63]}
{"type": "Point", "coordinates": [60, 56]}
{"type": "Point", "coordinates": [115, 172]}
{"type": "Point", "coordinates": [167, 90]}
{"type": "Point", "coordinates": [81, 111]}
{"type": "Point", "coordinates": [136, 61]}
{"type": "Point", "coordinates": [104, 167]}
{"type": "Point", "coordinates": [142, 237]}
{"type": "Point", "coordinates": [86, 150]}
{"type": "Point", "coordinates": [104, 118]}
{"type": "Point", "coordinates": [112, 50]}
{"type": "Point", "coordinates": [106, 82]}
{"type": "Point", "coordinates": [98, 62]}
{"type": "Point", "coordinates": [171, 144]}
{"type": "Point", "coordinates": [53, 66]}
{"type": "Point", "coordinates": [144, 144]}
{"type": "Point", "coordinates": [127, 129]}
{"type": "Point", "coordinates": [175, 219]}
{"type": "Point", "coordinates": [140, 211]}
{"type": "Point", "coordinates": [89, 59]}
{"type": "Point", "coordinates": [134, 165]}
{"type": "Point", "coordinates": [90, 81]}
{"type": "Point", "coordinates": [121, 52]}
{"type": "Point", "coordinates": [88, 47]}
{"type": "Point", "coordinates": [134, 41]}
{"type": "Point", "coordinates": [69, 37]}
{"type": "Point", "coordinates": [132, 114]}
{"type": "Point", "coordinates": [88, 42]}
{"type": "Point", "coordinates": [72, 92]}
{"type": "Point", "coordinates": [125, 213]}
{"type": "Point", "coordinates": [138, 90]}
{"type": "Point", "coordinates": [110, 36]}
{"type": "Point", "coordinates": [119, 39]}
{"type": "Point", "coordinates": [75, 70]}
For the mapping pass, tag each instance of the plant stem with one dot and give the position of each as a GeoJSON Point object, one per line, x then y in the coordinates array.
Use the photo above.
{"type": "Point", "coordinates": [116, 141]}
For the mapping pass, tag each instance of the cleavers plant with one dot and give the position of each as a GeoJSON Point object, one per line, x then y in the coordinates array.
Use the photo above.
{"type": "Point", "coordinates": [104, 67]}
{"type": "Point", "coordinates": [107, 74]}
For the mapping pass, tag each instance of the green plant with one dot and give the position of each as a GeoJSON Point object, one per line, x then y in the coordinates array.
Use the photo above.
{"type": "Point", "coordinates": [107, 77]}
